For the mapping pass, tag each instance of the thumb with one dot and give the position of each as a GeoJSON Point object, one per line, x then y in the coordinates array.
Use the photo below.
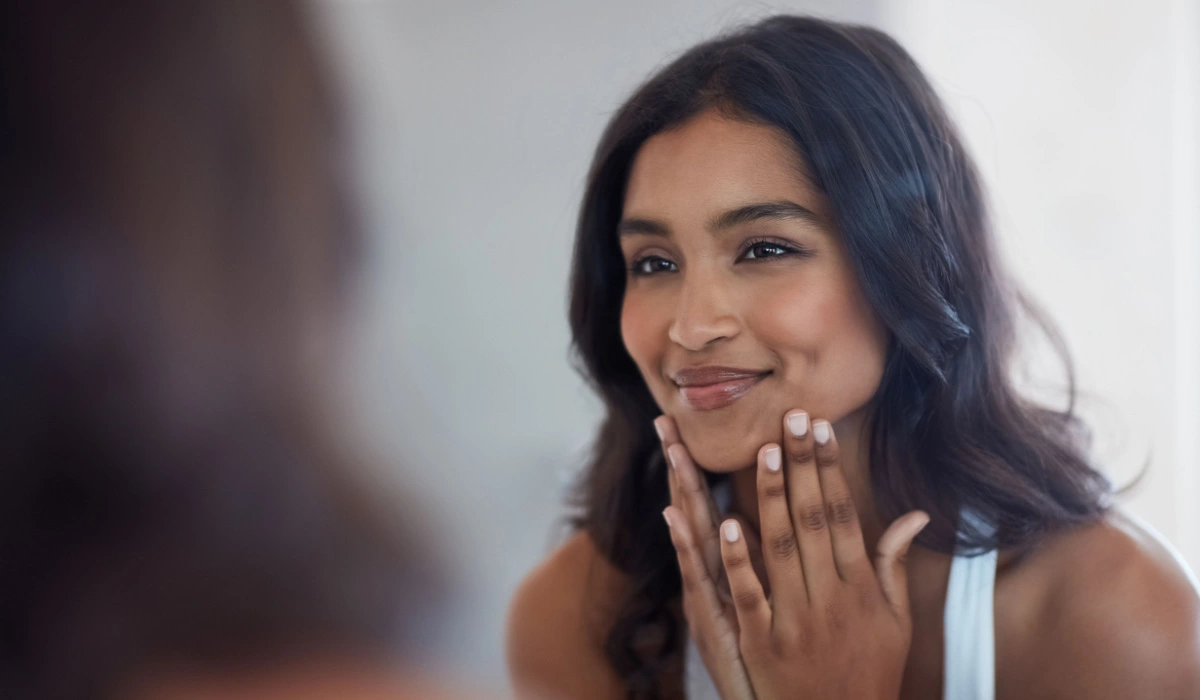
{"type": "Point", "coordinates": [890, 559]}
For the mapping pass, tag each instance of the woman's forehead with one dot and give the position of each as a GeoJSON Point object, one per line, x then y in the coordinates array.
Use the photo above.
{"type": "Point", "coordinates": [711, 163]}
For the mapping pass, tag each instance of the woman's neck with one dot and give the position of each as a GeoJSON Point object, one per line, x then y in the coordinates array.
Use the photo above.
{"type": "Point", "coordinates": [854, 449]}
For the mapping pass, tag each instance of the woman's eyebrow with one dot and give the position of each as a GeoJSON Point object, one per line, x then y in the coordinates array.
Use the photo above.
{"type": "Point", "coordinates": [725, 221]}
{"type": "Point", "coordinates": [649, 227]}
{"type": "Point", "coordinates": [762, 210]}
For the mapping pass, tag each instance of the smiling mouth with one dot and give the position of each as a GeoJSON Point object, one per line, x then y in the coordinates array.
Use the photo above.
{"type": "Point", "coordinates": [710, 388]}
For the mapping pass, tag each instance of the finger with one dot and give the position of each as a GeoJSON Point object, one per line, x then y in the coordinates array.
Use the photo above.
{"type": "Point", "coordinates": [749, 601]}
{"type": "Point", "coordinates": [845, 530]}
{"type": "Point", "coordinates": [665, 428]}
{"type": "Point", "coordinates": [756, 553]}
{"type": "Point", "coordinates": [669, 435]}
{"type": "Point", "coordinates": [781, 552]}
{"type": "Point", "coordinates": [698, 586]}
{"type": "Point", "coordinates": [699, 510]}
{"type": "Point", "coordinates": [807, 506]}
{"type": "Point", "coordinates": [697, 506]}
{"type": "Point", "coordinates": [891, 557]}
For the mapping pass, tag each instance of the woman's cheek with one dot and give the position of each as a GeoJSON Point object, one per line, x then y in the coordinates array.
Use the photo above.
{"type": "Point", "coordinates": [788, 321]}
{"type": "Point", "coordinates": [829, 344]}
{"type": "Point", "coordinates": [641, 334]}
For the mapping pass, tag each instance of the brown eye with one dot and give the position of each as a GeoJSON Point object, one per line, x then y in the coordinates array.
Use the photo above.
{"type": "Point", "coordinates": [759, 250]}
{"type": "Point", "coordinates": [765, 250]}
{"type": "Point", "coordinates": [651, 265]}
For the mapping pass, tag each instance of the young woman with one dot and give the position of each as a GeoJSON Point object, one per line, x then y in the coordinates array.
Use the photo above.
{"type": "Point", "coordinates": [785, 287]}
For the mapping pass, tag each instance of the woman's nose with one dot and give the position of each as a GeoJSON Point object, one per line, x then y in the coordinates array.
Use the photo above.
{"type": "Point", "coordinates": [703, 314]}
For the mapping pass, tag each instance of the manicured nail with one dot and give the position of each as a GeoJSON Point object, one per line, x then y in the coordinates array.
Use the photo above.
{"type": "Point", "coordinates": [659, 429]}
{"type": "Point", "coordinates": [667, 518]}
{"type": "Point", "coordinates": [731, 531]}
{"type": "Point", "coordinates": [917, 528]}
{"type": "Point", "coordinates": [774, 460]}
{"type": "Point", "coordinates": [672, 455]}
{"type": "Point", "coordinates": [821, 432]}
{"type": "Point", "coordinates": [798, 424]}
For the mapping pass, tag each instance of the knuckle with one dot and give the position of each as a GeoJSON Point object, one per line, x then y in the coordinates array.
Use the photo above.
{"type": "Point", "coordinates": [746, 599]}
{"type": "Point", "coordinates": [827, 455]}
{"type": "Point", "coordinates": [813, 518]}
{"type": "Point", "coordinates": [783, 637]}
{"type": "Point", "coordinates": [792, 642]}
{"type": "Point", "coordinates": [689, 585]}
{"type": "Point", "coordinates": [782, 544]}
{"type": "Point", "coordinates": [775, 489]}
{"type": "Point", "coordinates": [736, 560]}
{"type": "Point", "coordinates": [801, 453]}
{"type": "Point", "coordinates": [841, 512]}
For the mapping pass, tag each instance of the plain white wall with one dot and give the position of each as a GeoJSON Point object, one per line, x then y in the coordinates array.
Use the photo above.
{"type": "Point", "coordinates": [474, 123]}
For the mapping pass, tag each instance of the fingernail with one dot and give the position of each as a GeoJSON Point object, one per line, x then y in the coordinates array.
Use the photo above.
{"type": "Point", "coordinates": [774, 461]}
{"type": "Point", "coordinates": [731, 531]}
{"type": "Point", "coordinates": [821, 431]}
{"type": "Point", "coordinates": [659, 429]}
{"type": "Point", "coordinates": [671, 455]}
{"type": "Point", "coordinates": [798, 424]}
{"type": "Point", "coordinates": [667, 518]}
{"type": "Point", "coordinates": [920, 527]}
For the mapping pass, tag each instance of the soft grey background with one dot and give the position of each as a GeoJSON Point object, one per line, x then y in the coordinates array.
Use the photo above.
{"type": "Point", "coordinates": [473, 124]}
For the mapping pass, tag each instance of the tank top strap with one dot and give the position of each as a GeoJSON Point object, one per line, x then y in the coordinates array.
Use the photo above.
{"type": "Point", "coordinates": [969, 664]}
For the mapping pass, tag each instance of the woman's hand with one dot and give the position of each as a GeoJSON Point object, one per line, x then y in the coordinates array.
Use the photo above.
{"type": "Point", "coordinates": [707, 607]}
{"type": "Point", "coordinates": [833, 626]}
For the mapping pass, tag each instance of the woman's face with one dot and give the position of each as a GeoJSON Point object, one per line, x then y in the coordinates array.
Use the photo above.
{"type": "Point", "coordinates": [740, 300]}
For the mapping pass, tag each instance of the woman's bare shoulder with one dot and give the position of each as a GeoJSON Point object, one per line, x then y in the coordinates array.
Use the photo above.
{"type": "Point", "coordinates": [557, 623]}
{"type": "Point", "coordinates": [1120, 614]}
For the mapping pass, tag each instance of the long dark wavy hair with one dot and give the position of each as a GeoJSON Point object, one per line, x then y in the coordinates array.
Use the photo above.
{"type": "Point", "coordinates": [948, 431]}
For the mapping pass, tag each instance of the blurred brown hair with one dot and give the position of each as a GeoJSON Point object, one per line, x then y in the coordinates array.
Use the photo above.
{"type": "Point", "coordinates": [175, 245]}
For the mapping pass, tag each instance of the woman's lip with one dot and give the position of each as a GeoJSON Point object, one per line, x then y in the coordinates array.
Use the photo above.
{"type": "Point", "coordinates": [708, 397]}
{"type": "Point", "coordinates": [712, 374]}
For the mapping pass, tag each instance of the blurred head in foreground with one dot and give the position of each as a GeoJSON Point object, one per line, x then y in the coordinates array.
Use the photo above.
{"type": "Point", "coordinates": [175, 247]}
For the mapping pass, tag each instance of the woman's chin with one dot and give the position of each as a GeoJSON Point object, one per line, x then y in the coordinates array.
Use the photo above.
{"type": "Point", "coordinates": [723, 458]}
{"type": "Point", "coordinates": [730, 446]}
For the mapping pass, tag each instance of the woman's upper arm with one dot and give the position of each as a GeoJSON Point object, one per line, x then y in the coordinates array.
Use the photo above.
{"type": "Point", "coordinates": [554, 646]}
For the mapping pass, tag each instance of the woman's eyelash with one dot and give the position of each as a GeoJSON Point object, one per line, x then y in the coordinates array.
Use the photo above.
{"type": "Point", "coordinates": [641, 266]}
{"type": "Point", "coordinates": [779, 249]}
{"type": "Point", "coordinates": [759, 249]}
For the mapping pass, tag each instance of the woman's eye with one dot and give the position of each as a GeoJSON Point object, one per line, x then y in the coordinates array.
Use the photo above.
{"type": "Point", "coordinates": [765, 250]}
{"type": "Point", "coordinates": [651, 264]}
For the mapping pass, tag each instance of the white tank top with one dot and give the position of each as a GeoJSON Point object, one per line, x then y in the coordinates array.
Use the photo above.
{"type": "Point", "coordinates": [969, 667]}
